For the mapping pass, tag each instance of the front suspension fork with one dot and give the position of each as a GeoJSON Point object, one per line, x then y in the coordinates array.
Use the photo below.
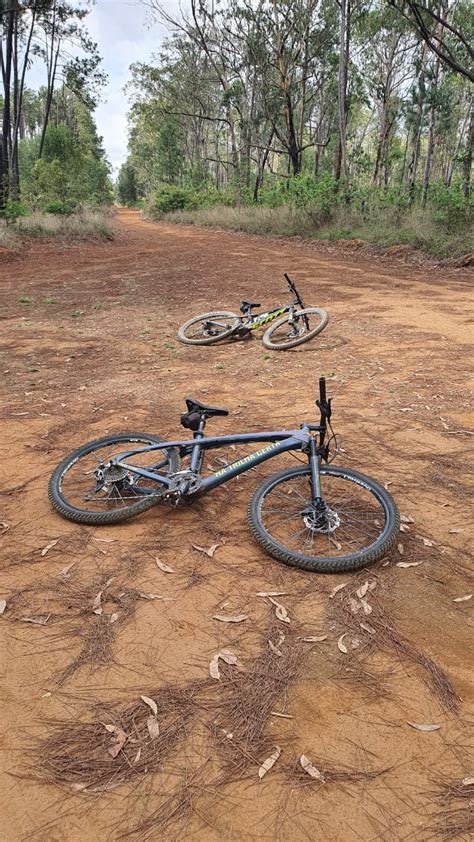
{"type": "Point", "coordinates": [314, 464]}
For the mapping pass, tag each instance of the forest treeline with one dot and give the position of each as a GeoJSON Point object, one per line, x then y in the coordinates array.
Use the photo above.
{"type": "Point", "coordinates": [51, 157]}
{"type": "Point", "coordinates": [335, 106]}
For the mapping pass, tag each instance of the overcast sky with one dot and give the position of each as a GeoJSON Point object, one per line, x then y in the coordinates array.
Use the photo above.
{"type": "Point", "coordinates": [124, 34]}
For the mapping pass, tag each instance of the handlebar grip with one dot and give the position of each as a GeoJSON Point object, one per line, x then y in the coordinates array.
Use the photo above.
{"type": "Point", "coordinates": [322, 389]}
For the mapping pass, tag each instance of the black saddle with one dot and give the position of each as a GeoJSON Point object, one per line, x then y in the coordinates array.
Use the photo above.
{"type": "Point", "coordinates": [202, 409]}
{"type": "Point", "coordinates": [197, 410]}
{"type": "Point", "coordinates": [247, 305]}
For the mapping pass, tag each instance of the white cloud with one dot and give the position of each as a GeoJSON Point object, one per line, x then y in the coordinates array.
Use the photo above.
{"type": "Point", "coordinates": [123, 34]}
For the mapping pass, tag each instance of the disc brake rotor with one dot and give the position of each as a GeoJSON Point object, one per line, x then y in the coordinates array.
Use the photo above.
{"type": "Point", "coordinates": [323, 520]}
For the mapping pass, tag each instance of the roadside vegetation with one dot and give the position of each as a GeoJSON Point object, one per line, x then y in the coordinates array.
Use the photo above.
{"type": "Point", "coordinates": [323, 120]}
{"type": "Point", "coordinates": [54, 177]}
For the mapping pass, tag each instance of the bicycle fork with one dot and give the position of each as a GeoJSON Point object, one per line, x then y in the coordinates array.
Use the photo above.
{"type": "Point", "coordinates": [316, 498]}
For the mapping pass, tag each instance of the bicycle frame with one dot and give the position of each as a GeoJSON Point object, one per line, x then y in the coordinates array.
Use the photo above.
{"type": "Point", "coordinates": [261, 319]}
{"type": "Point", "coordinates": [280, 441]}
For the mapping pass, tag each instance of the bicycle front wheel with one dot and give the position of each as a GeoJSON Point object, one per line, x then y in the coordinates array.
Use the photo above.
{"type": "Point", "coordinates": [296, 329]}
{"type": "Point", "coordinates": [356, 525]}
{"type": "Point", "coordinates": [86, 488]}
{"type": "Point", "coordinates": [208, 328]}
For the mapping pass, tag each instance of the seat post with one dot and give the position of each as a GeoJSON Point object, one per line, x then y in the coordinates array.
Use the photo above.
{"type": "Point", "coordinates": [196, 453]}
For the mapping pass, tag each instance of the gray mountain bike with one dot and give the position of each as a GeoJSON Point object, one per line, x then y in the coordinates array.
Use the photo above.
{"type": "Point", "coordinates": [299, 323]}
{"type": "Point", "coordinates": [313, 516]}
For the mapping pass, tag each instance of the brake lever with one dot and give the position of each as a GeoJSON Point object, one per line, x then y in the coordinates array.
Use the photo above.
{"type": "Point", "coordinates": [325, 407]}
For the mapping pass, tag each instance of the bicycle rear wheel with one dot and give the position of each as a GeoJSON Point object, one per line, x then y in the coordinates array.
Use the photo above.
{"type": "Point", "coordinates": [357, 526]}
{"type": "Point", "coordinates": [85, 488]}
{"type": "Point", "coordinates": [304, 325]}
{"type": "Point", "coordinates": [208, 328]}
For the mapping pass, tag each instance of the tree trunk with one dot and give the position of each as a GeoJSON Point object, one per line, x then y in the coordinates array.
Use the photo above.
{"type": "Point", "coordinates": [418, 128]}
{"type": "Point", "coordinates": [6, 121]}
{"type": "Point", "coordinates": [13, 163]}
{"type": "Point", "coordinates": [52, 61]}
{"type": "Point", "coordinates": [467, 164]}
{"type": "Point", "coordinates": [431, 133]}
{"type": "Point", "coordinates": [344, 41]}
{"type": "Point", "coordinates": [262, 160]}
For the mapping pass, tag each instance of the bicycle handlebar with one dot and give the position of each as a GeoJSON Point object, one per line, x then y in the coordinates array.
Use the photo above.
{"type": "Point", "coordinates": [323, 404]}
{"type": "Point", "coordinates": [298, 299]}
{"type": "Point", "coordinates": [322, 389]}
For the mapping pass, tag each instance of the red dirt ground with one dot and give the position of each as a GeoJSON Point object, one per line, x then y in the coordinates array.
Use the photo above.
{"type": "Point", "coordinates": [88, 345]}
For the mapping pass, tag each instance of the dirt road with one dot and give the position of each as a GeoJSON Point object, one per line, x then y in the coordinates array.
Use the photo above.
{"type": "Point", "coordinates": [88, 345]}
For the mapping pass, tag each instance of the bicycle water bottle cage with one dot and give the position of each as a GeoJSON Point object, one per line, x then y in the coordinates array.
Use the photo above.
{"type": "Point", "coordinates": [247, 306]}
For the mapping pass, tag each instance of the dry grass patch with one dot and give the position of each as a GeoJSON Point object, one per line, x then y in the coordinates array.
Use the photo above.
{"type": "Point", "coordinates": [83, 225]}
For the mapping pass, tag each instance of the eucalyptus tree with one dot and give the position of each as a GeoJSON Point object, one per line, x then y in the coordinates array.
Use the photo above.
{"type": "Point", "coordinates": [48, 31]}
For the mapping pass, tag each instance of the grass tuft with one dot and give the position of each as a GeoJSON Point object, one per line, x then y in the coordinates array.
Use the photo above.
{"type": "Point", "coordinates": [84, 225]}
{"type": "Point", "coordinates": [415, 228]}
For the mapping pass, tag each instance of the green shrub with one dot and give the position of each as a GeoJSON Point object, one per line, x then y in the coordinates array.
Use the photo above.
{"type": "Point", "coordinates": [60, 207]}
{"type": "Point", "coordinates": [14, 209]}
{"type": "Point", "coordinates": [448, 205]}
{"type": "Point", "coordinates": [169, 199]}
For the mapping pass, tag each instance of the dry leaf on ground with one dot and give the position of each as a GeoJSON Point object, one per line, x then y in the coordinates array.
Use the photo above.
{"type": "Point", "coordinates": [3, 605]}
{"type": "Point", "coordinates": [269, 762]}
{"type": "Point", "coordinates": [96, 605]}
{"type": "Point", "coordinates": [408, 563]}
{"type": "Point", "coordinates": [210, 552]}
{"type": "Point", "coordinates": [361, 592]}
{"type": "Point", "coordinates": [271, 593]}
{"type": "Point", "coordinates": [421, 727]}
{"type": "Point", "coordinates": [315, 639]}
{"type": "Point", "coordinates": [463, 598]}
{"type": "Point", "coordinates": [337, 589]}
{"type": "Point", "coordinates": [407, 519]}
{"type": "Point", "coordinates": [151, 704]}
{"type": "Point", "coordinates": [400, 549]}
{"type": "Point", "coordinates": [66, 569]}
{"type": "Point", "coordinates": [340, 644]}
{"type": "Point", "coordinates": [49, 547]}
{"type": "Point", "coordinates": [37, 621]}
{"type": "Point", "coordinates": [120, 738]}
{"type": "Point", "coordinates": [282, 614]}
{"type": "Point", "coordinates": [467, 781]}
{"type": "Point", "coordinates": [367, 608]}
{"type": "Point", "coordinates": [237, 618]}
{"type": "Point", "coordinates": [226, 656]}
{"type": "Point", "coordinates": [367, 628]}
{"type": "Point", "coordinates": [114, 617]}
{"type": "Point", "coordinates": [311, 770]}
{"type": "Point", "coordinates": [155, 596]}
{"type": "Point", "coordinates": [153, 727]}
{"type": "Point", "coordinates": [454, 531]}
{"type": "Point", "coordinates": [164, 567]}
{"type": "Point", "coordinates": [355, 605]}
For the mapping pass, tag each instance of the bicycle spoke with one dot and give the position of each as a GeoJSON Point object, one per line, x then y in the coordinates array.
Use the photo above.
{"type": "Point", "coordinates": [123, 487]}
{"type": "Point", "coordinates": [354, 517]}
